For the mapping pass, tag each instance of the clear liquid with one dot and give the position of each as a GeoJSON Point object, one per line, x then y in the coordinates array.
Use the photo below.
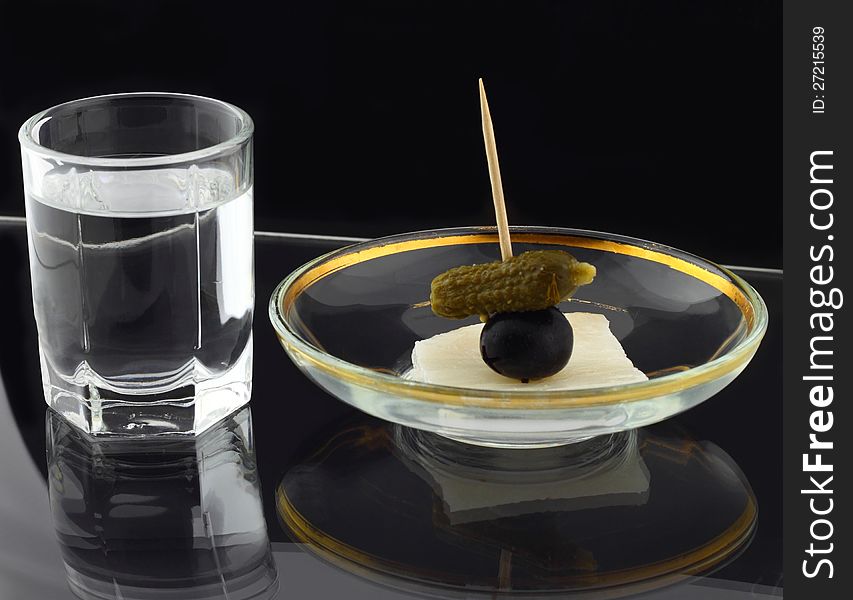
{"type": "Point", "coordinates": [143, 293]}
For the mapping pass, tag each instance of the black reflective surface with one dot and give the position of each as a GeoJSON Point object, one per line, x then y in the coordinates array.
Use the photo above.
{"type": "Point", "coordinates": [288, 412]}
{"type": "Point", "coordinates": [616, 514]}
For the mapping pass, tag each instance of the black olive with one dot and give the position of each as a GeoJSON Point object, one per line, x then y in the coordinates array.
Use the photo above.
{"type": "Point", "coordinates": [527, 345]}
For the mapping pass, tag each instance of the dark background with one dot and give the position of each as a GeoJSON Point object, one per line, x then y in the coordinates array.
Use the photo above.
{"type": "Point", "coordinates": [655, 119]}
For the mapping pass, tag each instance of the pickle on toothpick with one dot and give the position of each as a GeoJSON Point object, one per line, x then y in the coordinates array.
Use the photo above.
{"type": "Point", "coordinates": [532, 280]}
{"type": "Point", "coordinates": [525, 337]}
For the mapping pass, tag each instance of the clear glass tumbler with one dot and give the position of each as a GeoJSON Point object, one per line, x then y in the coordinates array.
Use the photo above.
{"type": "Point", "coordinates": [139, 213]}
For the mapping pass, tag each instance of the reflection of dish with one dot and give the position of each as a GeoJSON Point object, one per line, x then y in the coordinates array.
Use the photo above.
{"type": "Point", "coordinates": [418, 511]}
{"type": "Point", "coordinates": [161, 517]}
{"type": "Point", "coordinates": [350, 319]}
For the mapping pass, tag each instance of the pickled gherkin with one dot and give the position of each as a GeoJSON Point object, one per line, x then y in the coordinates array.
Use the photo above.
{"type": "Point", "coordinates": [532, 280]}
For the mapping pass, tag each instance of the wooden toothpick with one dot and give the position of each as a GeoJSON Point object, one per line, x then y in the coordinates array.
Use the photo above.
{"type": "Point", "coordinates": [495, 175]}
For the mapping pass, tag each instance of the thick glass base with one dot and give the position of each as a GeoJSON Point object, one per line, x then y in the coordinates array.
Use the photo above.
{"type": "Point", "coordinates": [189, 404]}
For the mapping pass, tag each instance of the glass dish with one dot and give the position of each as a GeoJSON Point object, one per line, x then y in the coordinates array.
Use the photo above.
{"type": "Point", "coordinates": [349, 321]}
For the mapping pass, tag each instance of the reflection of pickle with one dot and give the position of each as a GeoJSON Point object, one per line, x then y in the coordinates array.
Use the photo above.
{"type": "Point", "coordinates": [532, 280]}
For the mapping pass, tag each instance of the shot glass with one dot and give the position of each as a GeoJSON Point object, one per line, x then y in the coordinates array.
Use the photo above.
{"type": "Point", "coordinates": [140, 228]}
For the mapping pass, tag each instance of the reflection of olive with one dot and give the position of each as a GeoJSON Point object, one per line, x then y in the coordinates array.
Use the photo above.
{"type": "Point", "coordinates": [527, 345]}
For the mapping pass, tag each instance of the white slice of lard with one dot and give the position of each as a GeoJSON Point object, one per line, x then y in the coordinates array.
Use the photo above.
{"type": "Point", "coordinates": [598, 360]}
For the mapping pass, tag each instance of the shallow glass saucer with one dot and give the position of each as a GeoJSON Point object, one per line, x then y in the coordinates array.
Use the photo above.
{"type": "Point", "coordinates": [350, 319]}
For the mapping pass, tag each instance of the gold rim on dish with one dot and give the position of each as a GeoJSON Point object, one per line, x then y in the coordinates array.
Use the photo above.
{"type": "Point", "coordinates": [736, 289]}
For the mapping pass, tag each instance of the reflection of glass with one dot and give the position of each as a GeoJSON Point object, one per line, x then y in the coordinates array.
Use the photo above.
{"type": "Point", "coordinates": [160, 517]}
{"type": "Point", "coordinates": [617, 514]}
{"type": "Point", "coordinates": [139, 213]}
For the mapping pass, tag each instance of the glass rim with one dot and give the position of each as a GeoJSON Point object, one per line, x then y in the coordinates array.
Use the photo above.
{"type": "Point", "coordinates": [243, 134]}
